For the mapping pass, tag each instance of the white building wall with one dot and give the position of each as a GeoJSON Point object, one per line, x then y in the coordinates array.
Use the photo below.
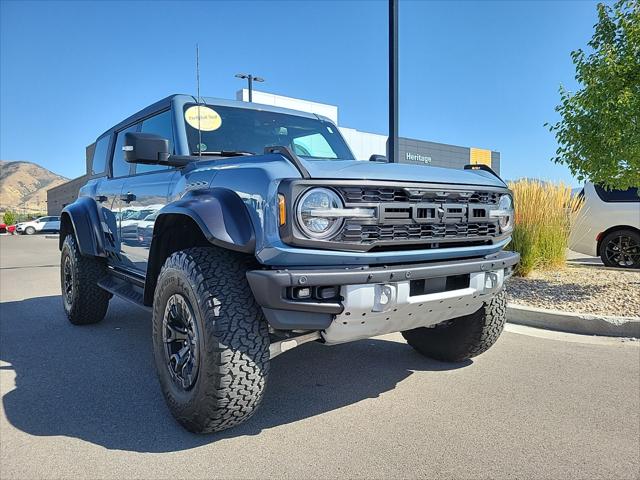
{"type": "Point", "coordinates": [364, 144]}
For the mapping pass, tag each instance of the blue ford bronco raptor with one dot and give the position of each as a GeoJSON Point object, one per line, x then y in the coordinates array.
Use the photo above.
{"type": "Point", "coordinates": [248, 230]}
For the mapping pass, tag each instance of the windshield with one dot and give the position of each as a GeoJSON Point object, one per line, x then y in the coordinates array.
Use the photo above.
{"type": "Point", "coordinates": [242, 130]}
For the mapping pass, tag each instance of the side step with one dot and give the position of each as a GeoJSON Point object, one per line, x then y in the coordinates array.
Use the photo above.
{"type": "Point", "coordinates": [123, 290]}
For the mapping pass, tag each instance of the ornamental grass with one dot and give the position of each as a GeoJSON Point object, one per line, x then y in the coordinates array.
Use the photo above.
{"type": "Point", "coordinates": [544, 214]}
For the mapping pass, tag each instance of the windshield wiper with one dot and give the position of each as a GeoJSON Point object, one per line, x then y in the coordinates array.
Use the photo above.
{"type": "Point", "coordinates": [226, 153]}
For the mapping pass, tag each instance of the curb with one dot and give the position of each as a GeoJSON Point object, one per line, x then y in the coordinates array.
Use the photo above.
{"type": "Point", "coordinates": [52, 237]}
{"type": "Point", "coordinates": [581, 323]}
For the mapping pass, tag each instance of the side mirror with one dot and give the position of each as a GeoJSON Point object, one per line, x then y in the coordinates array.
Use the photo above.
{"type": "Point", "coordinates": [145, 148]}
{"type": "Point", "coordinates": [378, 158]}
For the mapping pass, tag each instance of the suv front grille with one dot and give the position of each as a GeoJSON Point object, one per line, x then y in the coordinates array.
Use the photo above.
{"type": "Point", "coordinates": [354, 194]}
{"type": "Point", "coordinates": [368, 234]}
{"type": "Point", "coordinates": [433, 217]}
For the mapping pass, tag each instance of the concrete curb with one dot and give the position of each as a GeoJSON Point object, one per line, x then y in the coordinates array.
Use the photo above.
{"type": "Point", "coordinates": [582, 323]}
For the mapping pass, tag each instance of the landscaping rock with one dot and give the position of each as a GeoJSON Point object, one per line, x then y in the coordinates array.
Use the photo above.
{"type": "Point", "coordinates": [579, 289]}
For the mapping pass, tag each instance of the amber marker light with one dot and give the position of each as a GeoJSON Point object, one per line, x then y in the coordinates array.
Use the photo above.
{"type": "Point", "coordinates": [282, 209]}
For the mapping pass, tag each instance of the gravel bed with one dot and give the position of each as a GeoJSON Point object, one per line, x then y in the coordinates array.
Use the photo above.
{"type": "Point", "coordinates": [579, 289]}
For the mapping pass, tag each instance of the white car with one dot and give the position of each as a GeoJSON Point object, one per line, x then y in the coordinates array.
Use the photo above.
{"type": "Point", "coordinates": [608, 226]}
{"type": "Point", "coordinates": [42, 224]}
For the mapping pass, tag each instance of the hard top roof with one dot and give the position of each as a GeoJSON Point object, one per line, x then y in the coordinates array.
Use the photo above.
{"type": "Point", "coordinates": [179, 100]}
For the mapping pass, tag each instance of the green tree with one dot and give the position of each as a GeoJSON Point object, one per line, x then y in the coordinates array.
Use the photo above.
{"type": "Point", "coordinates": [9, 217]}
{"type": "Point", "coordinates": [599, 131]}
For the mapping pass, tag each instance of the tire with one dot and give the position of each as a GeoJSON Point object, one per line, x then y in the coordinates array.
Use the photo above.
{"type": "Point", "coordinates": [83, 300]}
{"type": "Point", "coordinates": [29, 230]}
{"type": "Point", "coordinates": [621, 249]}
{"type": "Point", "coordinates": [219, 381]}
{"type": "Point", "coordinates": [464, 337]}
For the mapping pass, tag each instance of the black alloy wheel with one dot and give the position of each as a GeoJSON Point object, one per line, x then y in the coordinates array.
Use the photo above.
{"type": "Point", "coordinates": [67, 282]}
{"type": "Point", "coordinates": [180, 335]}
{"type": "Point", "coordinates": [621, 249]}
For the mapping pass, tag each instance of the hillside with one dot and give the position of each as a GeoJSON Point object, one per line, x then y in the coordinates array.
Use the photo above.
{"type": "Point", "coordinates": [24, 185]}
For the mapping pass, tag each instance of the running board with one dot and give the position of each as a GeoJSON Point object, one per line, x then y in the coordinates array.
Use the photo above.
{"type": "Point", "coordinates": [124, 290]}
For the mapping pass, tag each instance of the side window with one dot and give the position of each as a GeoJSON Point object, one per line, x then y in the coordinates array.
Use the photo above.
{"type": "Point", "coordinates": [629, 195]}
{"type": "Point", "coordinates": [159, 125]}
{"type": "Point", "coordinates": [314, 145]}
{"type": "Point", "coordinates": [100, 153]}
{"type": "Point", "coordinates": [120, 168]}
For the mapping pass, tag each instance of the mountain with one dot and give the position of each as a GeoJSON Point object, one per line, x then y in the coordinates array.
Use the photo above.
{"type": "Point", "coordinates": [24, 185]}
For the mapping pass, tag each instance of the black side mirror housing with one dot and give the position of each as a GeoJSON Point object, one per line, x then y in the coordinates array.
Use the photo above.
{"type": "Point", "coordinates": [378, 158]}
{"type": "Point", "coordinates": [145, 148]}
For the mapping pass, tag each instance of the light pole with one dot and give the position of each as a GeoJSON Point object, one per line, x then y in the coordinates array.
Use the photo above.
{"type": "Point", "coordinates": [392, 143]}
{"type": "Point", "coordinates": [250, 79]}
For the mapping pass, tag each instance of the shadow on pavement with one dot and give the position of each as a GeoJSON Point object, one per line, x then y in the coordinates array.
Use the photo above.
{"type": "Point", "coordinates": [97, 382]}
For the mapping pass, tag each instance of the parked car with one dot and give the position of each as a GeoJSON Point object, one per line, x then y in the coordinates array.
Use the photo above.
{"type": "Point", "coordinates": [608, 226]}
{"type": "Point", "coordinates": [7, 229]}
{"type": "Point", "coordinates": [39, 225]}
{"type": "Point", "coordinates": [272, 235]}
{"type": "Point", "coordinates": [132, 218]}
{"type": "Point", "coordinates": [145, 229]}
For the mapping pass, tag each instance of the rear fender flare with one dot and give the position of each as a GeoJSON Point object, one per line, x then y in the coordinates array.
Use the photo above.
{"type": "Point", "coordinates": [83, 220]}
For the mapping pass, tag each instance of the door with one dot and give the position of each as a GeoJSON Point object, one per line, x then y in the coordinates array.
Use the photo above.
{"type": "Point", "coordinates": [110, 160]}
{"type": "Point", "coordinates": [143, 195]}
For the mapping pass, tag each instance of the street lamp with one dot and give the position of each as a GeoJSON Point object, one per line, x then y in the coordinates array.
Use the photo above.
{"type": "Point", "coordinates": [250, 79]}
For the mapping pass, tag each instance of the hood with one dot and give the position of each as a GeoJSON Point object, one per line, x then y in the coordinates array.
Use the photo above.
{"type": "Point", "coordinates": [401, 172]}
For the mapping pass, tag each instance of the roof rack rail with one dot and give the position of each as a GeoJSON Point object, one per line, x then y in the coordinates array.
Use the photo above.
{"type": "Point", "coordinates": [482, 166]}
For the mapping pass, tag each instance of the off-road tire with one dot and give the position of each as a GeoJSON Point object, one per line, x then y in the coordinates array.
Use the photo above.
{"type": "Point", "coordinates": [630, 238]}
{"type": "Point", "coordinates": [88, 302]}
{"type": "Point", "coordinates": [464, 337]}
{"type": "Point", "coordinates": [233, 340]}
{"type": "Point", "coordinates": [29, 231]}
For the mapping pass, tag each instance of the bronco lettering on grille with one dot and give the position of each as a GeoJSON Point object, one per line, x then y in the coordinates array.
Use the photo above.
{"type": "Point", "coordinates": [431, 213]}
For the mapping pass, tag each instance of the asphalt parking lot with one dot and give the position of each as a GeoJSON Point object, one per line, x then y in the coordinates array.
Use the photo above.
{"type": "Point", "coordinates": [83, 402]}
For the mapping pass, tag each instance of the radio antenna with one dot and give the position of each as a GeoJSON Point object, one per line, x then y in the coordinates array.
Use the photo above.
{"type": "Point", "coordinates": [198, 98]}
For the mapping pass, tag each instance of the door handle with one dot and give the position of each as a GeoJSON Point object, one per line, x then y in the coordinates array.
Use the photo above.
{"type": "Point", "coordinates": [128, 198]}
{"type": "Point", "coordinates": [101, 198]}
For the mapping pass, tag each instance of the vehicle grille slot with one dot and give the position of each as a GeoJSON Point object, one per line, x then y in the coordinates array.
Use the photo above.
{"type": "Point", "coordinates": [426, 217]}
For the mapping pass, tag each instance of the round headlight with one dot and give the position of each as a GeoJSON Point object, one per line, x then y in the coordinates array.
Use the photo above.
{"type": "Point", "coordinates": [506, 205]}
{"type": "Point", "coordinates": [312, 213]}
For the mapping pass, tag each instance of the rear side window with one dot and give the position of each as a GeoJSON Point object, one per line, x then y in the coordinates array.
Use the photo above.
{"type": "Point", "coordinates": [100, 153]}
{"type": "Point", "coordinates": [158, 125]}
{"type": "Point", "coordinates": [120, 168]}
{"type": "Point", "coordinates": [628, 195]}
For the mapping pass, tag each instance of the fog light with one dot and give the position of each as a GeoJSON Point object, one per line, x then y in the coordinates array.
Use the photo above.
{"type": "Point", "coordinates": [302, 293]}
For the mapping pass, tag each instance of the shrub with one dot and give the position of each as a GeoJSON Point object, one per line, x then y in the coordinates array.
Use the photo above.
{"type": "Point", "coordinates": [544, 215]}
{"type": "Point", "coordinates": [9, 217]}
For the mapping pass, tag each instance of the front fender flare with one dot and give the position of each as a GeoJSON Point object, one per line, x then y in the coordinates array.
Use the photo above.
{"type": "Point", "coordinates": [82, 218]}
{"type": "Point", "coordinates": [221, 215]}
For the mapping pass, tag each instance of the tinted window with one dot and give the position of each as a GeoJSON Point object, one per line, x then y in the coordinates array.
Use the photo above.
{"type": "Point", "coordinates": [159, 125]}
{"type": "Point", "coordinates": [629, 195]}
{"type": "Point", "coordinates": [120, 168]}
{"type": "Point", "coordinates": [100, 153]}
{"type": "Point", "coordinates": [248, 130]}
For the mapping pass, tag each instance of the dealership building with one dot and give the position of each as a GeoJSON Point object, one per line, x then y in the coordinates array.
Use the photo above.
{"type": "Point", "coordinates": [363, 145]}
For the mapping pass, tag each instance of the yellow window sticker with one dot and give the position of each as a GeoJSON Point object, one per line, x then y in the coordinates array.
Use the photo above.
{"type": "Point", "coordinates": [203, 118]}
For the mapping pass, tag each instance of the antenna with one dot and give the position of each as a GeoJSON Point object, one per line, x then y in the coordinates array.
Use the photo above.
{"type": "Point", "coordinates": [198, 98]}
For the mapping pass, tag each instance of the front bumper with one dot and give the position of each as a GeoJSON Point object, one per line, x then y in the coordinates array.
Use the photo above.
{"type": "Point", "coordinates": [271, 288]}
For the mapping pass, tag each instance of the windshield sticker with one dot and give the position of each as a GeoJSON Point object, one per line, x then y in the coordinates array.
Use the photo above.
{"type": "Point", "coordinates": [203, 118]}
{"type": "Point", "coordinates": [201, 147]}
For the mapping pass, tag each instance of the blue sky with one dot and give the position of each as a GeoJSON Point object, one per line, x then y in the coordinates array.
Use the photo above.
{"type": "Point", "coordinates": [477, 73]}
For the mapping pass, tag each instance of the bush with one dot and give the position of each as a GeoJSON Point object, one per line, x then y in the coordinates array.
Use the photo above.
{"type": "Point", "coordinates": [544, 215]}
{"type": "Point", "coordinates": [9, 218]}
